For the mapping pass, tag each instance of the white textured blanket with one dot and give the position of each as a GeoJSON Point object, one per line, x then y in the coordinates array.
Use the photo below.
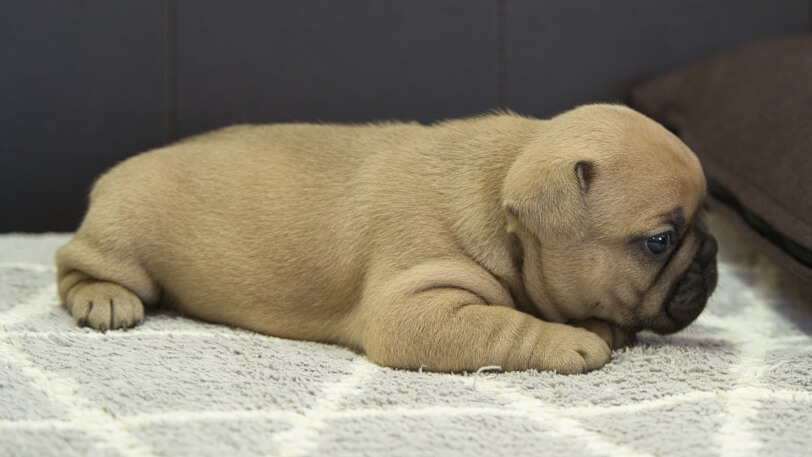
{"type": "Point", "coordinates": [736, 383]}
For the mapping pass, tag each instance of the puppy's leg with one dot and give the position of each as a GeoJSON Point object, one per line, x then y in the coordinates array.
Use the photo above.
{"type": "Point", "coordinates": [453, 330]}
{"type": "Point", "coordinates": [99, 289]}
{"type": "Point", "coordinates": [614, 336]}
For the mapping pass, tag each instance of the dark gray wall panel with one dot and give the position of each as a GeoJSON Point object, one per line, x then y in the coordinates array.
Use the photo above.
{"type": "Point", "coordinates": [359, 60]}
{"type": "Point", "coordinates": [565, 53]}
{"type": "Point", "coordinates": [81, 87]}
{"type": "Point", "coordinates": [86, 83]}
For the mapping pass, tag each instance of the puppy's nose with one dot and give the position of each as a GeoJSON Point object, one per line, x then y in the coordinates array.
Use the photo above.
{"type": "Point", "coordinates": [689, 298]}
{"type": "Point", "coordinates": [706, 257]}
{"type": "Point", "coordinates": [690, 294]}
{"type": "Point", "coordinates": [708, 250]}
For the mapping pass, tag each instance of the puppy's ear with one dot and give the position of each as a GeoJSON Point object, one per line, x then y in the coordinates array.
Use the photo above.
{"type": "Point", "coordinates": [549, 196]}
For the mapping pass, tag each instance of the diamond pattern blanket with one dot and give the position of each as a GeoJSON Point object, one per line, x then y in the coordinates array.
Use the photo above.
{"type": "Point", "coordinates": [738, 383]}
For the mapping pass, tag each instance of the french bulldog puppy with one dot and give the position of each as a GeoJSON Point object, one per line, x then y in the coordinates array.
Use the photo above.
{"type": "Point", "coordinates": [497, 240]}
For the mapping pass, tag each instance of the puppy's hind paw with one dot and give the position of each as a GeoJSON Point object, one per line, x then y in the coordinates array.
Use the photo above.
{"type": "Point", "coordinates": [104, 306]}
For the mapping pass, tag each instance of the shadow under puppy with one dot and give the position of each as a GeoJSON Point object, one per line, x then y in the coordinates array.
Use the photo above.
{"type": "Point", "coordinates": [497, 240]}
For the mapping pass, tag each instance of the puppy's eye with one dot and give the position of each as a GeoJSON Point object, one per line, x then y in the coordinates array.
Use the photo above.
{"type": "Point", "coordinates": [659, 244]}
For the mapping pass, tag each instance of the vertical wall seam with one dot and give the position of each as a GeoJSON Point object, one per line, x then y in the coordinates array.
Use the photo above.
{"type": "Point", "coordinates": [171, 70]}
{"type": "Point", "coordinates": [502, 54]}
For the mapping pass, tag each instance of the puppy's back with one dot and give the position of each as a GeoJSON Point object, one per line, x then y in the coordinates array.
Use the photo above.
{"type": "Point", "coordinates": [247, 215]}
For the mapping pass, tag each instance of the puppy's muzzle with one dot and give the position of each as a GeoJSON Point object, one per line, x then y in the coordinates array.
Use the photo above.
{"type": "Point", "coordinates": [691, 292]}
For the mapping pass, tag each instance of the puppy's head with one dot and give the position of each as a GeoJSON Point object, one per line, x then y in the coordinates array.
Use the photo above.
{"type": "Point", "coordinates": [607, 207]}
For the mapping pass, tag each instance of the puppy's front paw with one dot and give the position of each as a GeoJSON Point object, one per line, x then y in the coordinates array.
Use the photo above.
{"type": "Point", "coordinates": [104, 305]}
{"type": "Point", "coordinates": [614, 336]}
{"type": "Point", "coordinates": [571, 350]}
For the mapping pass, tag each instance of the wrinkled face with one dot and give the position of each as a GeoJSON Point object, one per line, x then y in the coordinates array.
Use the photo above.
{"type": "Point", "coordinates": [643, 258]}
{"type": "Point", "coordinates": [646, 262]}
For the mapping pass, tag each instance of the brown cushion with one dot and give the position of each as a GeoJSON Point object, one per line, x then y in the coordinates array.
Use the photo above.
{"type": "Point", "coordinates": [747, 114]}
